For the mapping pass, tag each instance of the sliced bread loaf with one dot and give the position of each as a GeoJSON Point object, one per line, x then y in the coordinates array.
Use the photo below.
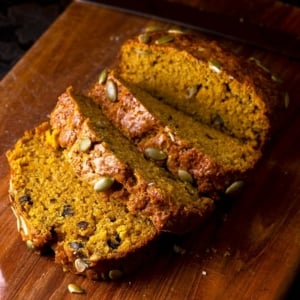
{"type": "Point", "coordinates": [91, 233]}
{"type": "Point", "coordinates": [204, 80]}
{"type": "Point", "coordinates": [101, 155]}
{"type": "Point", "coordinates": [194, 152]}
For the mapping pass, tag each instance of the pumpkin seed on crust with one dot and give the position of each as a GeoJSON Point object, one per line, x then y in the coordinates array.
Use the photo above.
{"type": "Point", "coordinates": [111, 90]}
{"type": "Point", "coordinates": [85, 144]}
{"type": "Point", "coordinates": [164, 39]}
{"type": "Point", "coordinates": [185, 176]}
{"type": "Point", "coordinates": [103, 184]}
{"type": "Point", "coordinates": [103, 76]}
{"type": "Point", "coordinates": [155, 154]}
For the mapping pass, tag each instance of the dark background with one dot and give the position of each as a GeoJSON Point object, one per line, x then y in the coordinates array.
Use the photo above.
{"type": "Point", "coordinates": [22, 22]}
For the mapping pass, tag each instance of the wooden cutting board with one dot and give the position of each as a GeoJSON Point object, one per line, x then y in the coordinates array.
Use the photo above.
{"type": "Point", "coordinates": [250, 249]}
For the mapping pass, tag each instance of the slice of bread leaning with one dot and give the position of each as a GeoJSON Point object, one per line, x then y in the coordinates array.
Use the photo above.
{"type": "Point", "coordinates": [110, 163]}
{"type": "Point", "coordinates": [194, 151]}
{"type": "Point", "coordinates": [203, 79]}
{"type": "Point", "coordinates": [91, 233]}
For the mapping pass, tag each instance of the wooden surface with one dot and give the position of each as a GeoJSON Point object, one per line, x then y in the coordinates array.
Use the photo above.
{"type": "Point", "coordinates": [250, 249]}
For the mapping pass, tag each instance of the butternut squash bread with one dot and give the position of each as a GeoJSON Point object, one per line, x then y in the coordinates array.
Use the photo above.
{"type": "Point", "coordinates": [204, 80]}
{"type": "Point", "coordinates": [101, 155]}
{"type": "Point", "coordinates": [91, 233]}
{"type": "Point", "coordinates": [194, 151]}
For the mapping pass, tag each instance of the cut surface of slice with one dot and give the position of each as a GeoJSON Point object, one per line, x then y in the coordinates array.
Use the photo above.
{"type": "Point", "coordinates": [206, 81]}
{"type": "Point", "coordinates": [98, 151]}
{"type": "Point", "coordinates": [90, 233]}
{"type": "Point", "coordinates": [213, 159]}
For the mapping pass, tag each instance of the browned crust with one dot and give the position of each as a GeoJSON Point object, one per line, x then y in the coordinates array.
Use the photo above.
{"type": "Point", "coordinates": [171, 204]}
{"type": "Point", "coordinates": [250, 73]}
{"type": "Point", "coordinates": [133, 119]}
{"type": "Point", "coordinates": [51, 243]}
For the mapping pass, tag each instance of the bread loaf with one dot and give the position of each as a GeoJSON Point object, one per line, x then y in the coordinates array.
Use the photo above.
{"type": "Point", "coordinates": [178, 125]}
{"type": "Point", "coordinates": [194, 151]}
{"type": "Point", "coordinates": [90, 233]}
{"type": "Point", "coordinates": [98, 151]}
{"type": "Point", "coordinates": [204, 80]}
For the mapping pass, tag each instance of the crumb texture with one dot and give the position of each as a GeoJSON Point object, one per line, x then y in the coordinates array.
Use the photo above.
{"type": "Point", "coordinates": [58, 210]}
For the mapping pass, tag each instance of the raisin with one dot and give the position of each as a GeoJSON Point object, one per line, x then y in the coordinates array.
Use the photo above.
{"type": "Point", "coordinates": [67, 211]}
{"type": "Point", "coordinates": [25, 199]}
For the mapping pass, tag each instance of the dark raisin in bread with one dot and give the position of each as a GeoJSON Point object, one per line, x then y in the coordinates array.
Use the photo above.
{"type": "Point", "coordinates": [91, 233]}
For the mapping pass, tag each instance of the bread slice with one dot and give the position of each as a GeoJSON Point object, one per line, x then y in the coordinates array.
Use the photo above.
{"type": "Point", "coordinates": [194, 151]}
{"type": "Point", "coordinates": [206, 81]}
{"type": "Point", "coordinates": [91, 233]}
{"type": "Point", "coordinates": [100, 153]}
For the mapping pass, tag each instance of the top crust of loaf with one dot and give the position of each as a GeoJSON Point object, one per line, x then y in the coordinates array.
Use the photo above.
{"type": "Point", "coordinates": [171, 204]}
{"type": "Point", "coordinates": [90, 233]}
{"type": "Point", "coordinates": [203, 79]}
{"type": "Point", "coordinates": [214, 159]}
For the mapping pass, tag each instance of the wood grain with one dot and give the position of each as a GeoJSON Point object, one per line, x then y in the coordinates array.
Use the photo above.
{"type": "Point", "coordinates": [250, 249]}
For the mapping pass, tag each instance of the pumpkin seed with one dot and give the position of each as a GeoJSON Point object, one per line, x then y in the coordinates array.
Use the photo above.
{"type": "Point", "coordinates": [286, 100]}
{"type": "Point", "coordinates": [75, 289]}
{"type": "Point", "coordinates": [144, 38]}
{"type": "Point", "coordinates": [164, 39]}
{"type": "Point", "coordinates": [30, 245]}
{"type": "Point", "coordinates": [103, 184]}
{"type": "Point", "coordinates": [153, 28]}
{"type": "Point", "coordinates": [85, 144]}
{"type": "Point", "coordinates": [103, 76]}
{"type": "Point", "coordinates": [115, 274]}
{"type": "Point", "coordinates": [111, 90]}
{"type": "Point", "coordinates": [185, 176]}
{"type": "Point", "coordinates": [276, 78]}
{"type": "Point", "coordinates": [155, 154]}
{"type": "Point", "coordinates": [191, 92]}
{"type": "Point", "coordinates": [177, 31]}
{"type": "Point", "coordinates": [215, 66]}
{"type": "Point", "coordinates": [80, 265]}
{"type": "Point", "coordinates": [235, 187]}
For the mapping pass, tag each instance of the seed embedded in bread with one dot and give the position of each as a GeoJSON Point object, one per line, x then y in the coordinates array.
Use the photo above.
{"type": "Point", "coordinates": [67, 215]}
{"type": "Point", "coordinates": [168, 203]}
{"type": "Point", "coordinates": [240, 91]}
{"type": "Point", "coordinates": [175, 140]}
